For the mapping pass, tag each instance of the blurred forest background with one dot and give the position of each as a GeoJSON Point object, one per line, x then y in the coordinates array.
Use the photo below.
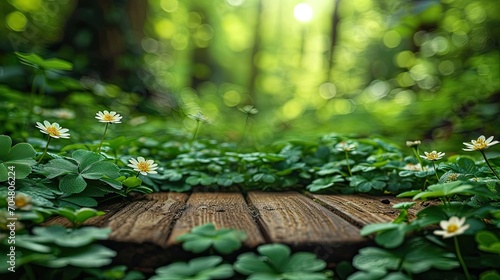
{"type": "Point", "coordinates": [403, 69]}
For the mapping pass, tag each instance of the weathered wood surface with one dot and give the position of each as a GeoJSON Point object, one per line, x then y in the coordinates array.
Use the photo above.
{"type": "Point", "coordinates": [224, 210]}
{"type": "Point", "coordinates": [145, 228]}
{"type": "Point", "coordinates": [361, 210]}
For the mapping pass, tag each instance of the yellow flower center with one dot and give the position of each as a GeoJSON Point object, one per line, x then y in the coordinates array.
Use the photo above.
{"type": "Point", "coordinates": [21, 201]}
{"type": "Point", "coordinates": [53, 131]}
{"type": "Point", "coordinates": [143, 166]}
{"type": "Point", "coordinates": [480, 144]}
{"type": "Point", "coordinates": [108, 117]}
{"type": "Point", "coordinates": [452, 228]}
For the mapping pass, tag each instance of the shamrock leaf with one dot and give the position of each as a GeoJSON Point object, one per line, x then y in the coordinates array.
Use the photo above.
{"type": "Point", "coordinates": [203, 268]}
{"type": "Point", "coordinates": [16, 160]}
{"type": "Point", "coordinates": [224, 241]}
{"type": "Point", "coordinates": [276, 263]}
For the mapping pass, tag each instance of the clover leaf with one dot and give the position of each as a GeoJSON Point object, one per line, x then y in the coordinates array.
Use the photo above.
{"type": "Point", "coordinates": [56, 247]}
{"type": "Point", "coordinates": [275, 262]}
{"type": "Point", "coordinates": [488, 241]}
{"type": "Point", "coordinates": [64, 237]}
{"type": "Point", "coordinates": [203, 268]}
{"type": "Point", "coordinates": [83, 165]}
{"type": "Point", "coordinates": [224, 241]}
{"type": "Point", "coordinates": [17, 159]}
{"type": "Point", "coordinates": [445, 189]}
{"type": "Point", "coordinates": [413, 257]}
{"type": "Point", "coordinates": [77, 217]}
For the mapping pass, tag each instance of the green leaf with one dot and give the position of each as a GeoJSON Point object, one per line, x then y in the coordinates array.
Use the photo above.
{"type": "Point", "coordinates": [38, 62]}
{"type": "Point", "coordinates": [81, 201]}
{"type": "Point", "coordinates": [488, 242]}
{"type": "Point", "coordinates": [58, 167]}
{"type": "Point", "coordinates": [72, 238]}
{"type": "Point", "coordinates": [445, 189]}
{"type": "Point", "coordinates": [17, 159]}
{"type": "Point", "coordinates": [376, 259]}
{"type": "Point", "coordinates": [94, 255]}
{"type": "Point", "coordinates": [86, 158]}
{"type": "Point", "coordinates": [72, 183]}
{"type": "Point", "coordinates": [202, 268]}
{"type": "Point", "coordinates": [224, 241]}
{"type": "Point", "coordinates": [392, 238]}
{"type": "Point", "coordinates": [5, 144]}
{"type": "Point", "coordinates": [21, 151]}
{"type": "Point", "coordinates": [98, 170]}
{"type": "Point", "coordinates": [276, 262]}
{"type": "Point", "coordinates": [132, 182]}
{"type": "Point", "coordinates": [373, 228]}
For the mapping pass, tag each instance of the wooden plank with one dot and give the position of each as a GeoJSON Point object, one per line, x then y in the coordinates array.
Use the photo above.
{"type": "Point", "coordinates": [147, 220]}
{"type": "Point", "coordinates": [224, 210]}
{"type": "Point", "coordinates": [144, 219]}
{"type": "Point", "coordinates": [362, 210]}
{"type": "Point", "coordinates": [292, 218]}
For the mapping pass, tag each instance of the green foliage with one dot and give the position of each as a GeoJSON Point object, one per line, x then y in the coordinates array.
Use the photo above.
{"type": "Point", "coordinates": [17, 160]}
{"type": "Point", "coordinates": [58, 247]}
{"type": "Point", "coordinates": [276, 262]}
{"type": "Point", "coordinates": [79, 216]}
{"type": "Point", "coordinates": [83, 165]}
{"type": "Point", "coordinates": [35, 61]}
{"type": "Point", "coordinates": [414, 257]}
{"type": "Point", "coordinates": [202, 268]}
{"type": "Point", "coordinates": [488, 242]}
{"type": "Point", "coordinates": [201, 238]}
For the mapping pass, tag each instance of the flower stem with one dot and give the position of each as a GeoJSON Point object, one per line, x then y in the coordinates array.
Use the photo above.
{"type": "Point", "coordinates": [196, 130]}
{"type": "Point", "coordinates": [102, 139]}
{"type": "Point", "coordinates": [460, 259]}
{"type": "Point", "coordinates": [45, 151]}
{"type": "Point", "coordinates": [488, 163]}
{"type": "Point", "coordinates": [417, 155]}
{"type": "Point", "coordinates": [435, 170]}
{"type": "Point", "coordinates": [347, 162]}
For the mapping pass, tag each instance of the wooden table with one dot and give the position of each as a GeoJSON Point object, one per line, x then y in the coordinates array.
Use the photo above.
{"type": "Point", "coordinates": [145, 228]}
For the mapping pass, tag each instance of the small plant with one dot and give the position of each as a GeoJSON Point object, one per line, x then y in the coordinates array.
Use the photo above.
{"type": "Point", "coordinates": [276, 262]}
{"type": "Point", "coordinates": [82, 166]}
{"type": "Point", "coordinates": [202, 268]}
{"type": "Point", "coordinates": [108, 118]}
{"type": "Point", "coordinates": [201, 238]}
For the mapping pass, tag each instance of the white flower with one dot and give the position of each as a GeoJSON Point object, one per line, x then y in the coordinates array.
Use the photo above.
{"type": "Point", "coordinates": [413, 143]}
{"type": "Point", "coordinates": [345, 147]}
{"type": "Point", "coordinates": [143, 166]}
{"type": "Point", "coordinates": [108, 117]}
{"type": "Point", "coordinates": [480, 144]}
{"type": "Point", "coordinates": [433, 156]}
{"type": "Point", "coordinates": [53, 130]}
{"type": "Point", "coordinates": [22, 201]}
{"type": "Point", "coordinates": [454, 226]}
{"type": "Point", "coordinates": [415, 167]}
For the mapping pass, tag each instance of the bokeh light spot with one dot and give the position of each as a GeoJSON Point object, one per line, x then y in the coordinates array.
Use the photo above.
{"type": "Point", "coordinates": [327, 90]}
{"type": "Point", "coordinates": [292, 109]}
{"type": "Point", "coordinates": [392, 39]}
{"type": "Point", "coordinates": [231, 98]}
{"type": "Point", "coordinates": [169, 5]}
{"type": "Point", "coordinates": [16, 21]}
{"type": "Point", "coordinates": [303, 12]}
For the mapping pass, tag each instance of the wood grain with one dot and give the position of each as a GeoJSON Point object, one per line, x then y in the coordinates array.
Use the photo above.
{"type": "Point", "coordinates": [224, 210]}
{"type": "Point", "coordinates": [362, 210]}
{"type": "Point", "coordinates": [292, 218]}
